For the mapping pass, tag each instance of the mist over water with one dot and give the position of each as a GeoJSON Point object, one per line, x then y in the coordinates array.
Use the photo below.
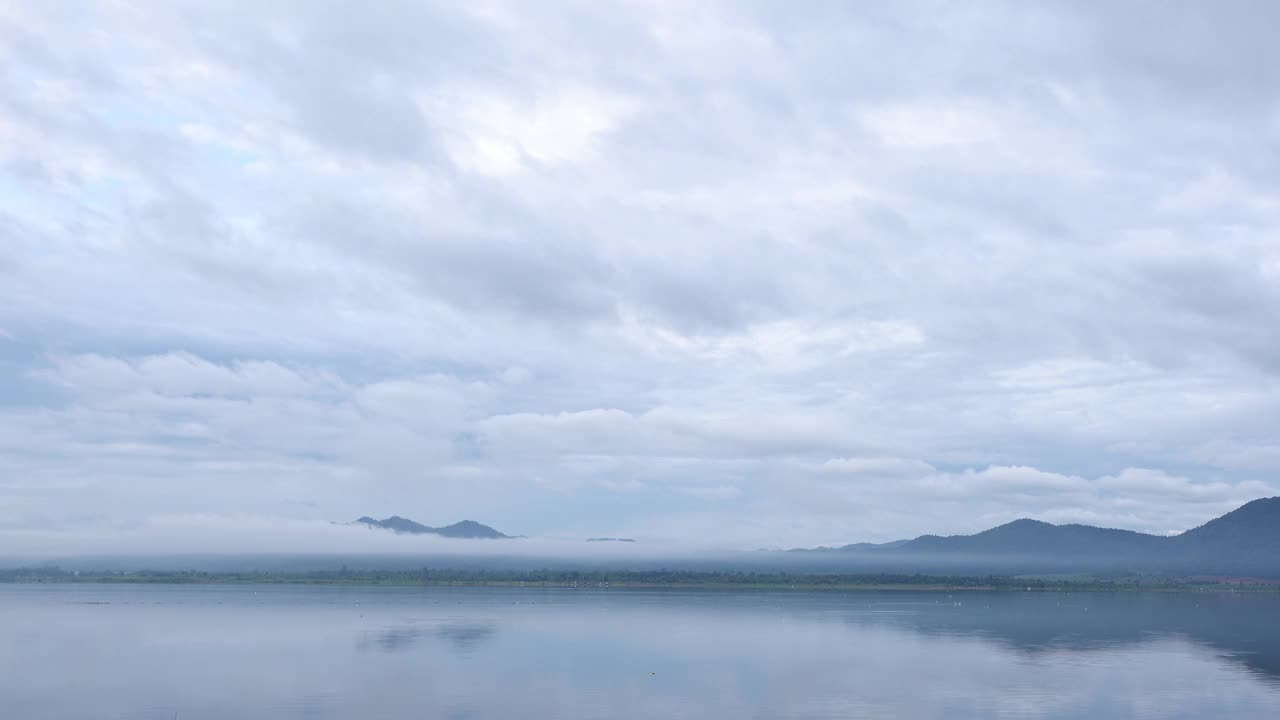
{"type": "Point", "coordinates": [114, 651]}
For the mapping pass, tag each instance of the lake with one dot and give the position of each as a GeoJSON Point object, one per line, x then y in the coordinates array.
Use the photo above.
{"type": "Point", "coordinates": [223, 651]}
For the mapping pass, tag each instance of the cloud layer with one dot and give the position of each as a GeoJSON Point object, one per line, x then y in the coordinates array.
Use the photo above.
{"type": "Point", "coordinates": [774, 277]}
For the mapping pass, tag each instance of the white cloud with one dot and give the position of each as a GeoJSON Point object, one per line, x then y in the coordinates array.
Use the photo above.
{"type": "Point", "coordinates": [875, 466]}
{"type": "Point", "coordinates": [643, 266]}
{"type": "Point", "coordinates": [934, 126]}
{"type": "Point", "coordinates": [495, 136]}
{"type": "Point", "coordinates": [717, 492]}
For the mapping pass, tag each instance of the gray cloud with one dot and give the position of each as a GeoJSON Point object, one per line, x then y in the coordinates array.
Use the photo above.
{"type": "Point", "coordinates": [778, 276]}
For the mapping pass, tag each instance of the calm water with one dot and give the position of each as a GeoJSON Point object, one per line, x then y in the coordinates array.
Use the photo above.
{"type": "Point", "coordinates": [322, 652]}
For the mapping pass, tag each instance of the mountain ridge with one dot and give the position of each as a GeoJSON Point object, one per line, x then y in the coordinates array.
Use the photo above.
{"type": "Point", "coordinates": [1243, 540]}
{"type": "Point", "coordinates": [466, 529]}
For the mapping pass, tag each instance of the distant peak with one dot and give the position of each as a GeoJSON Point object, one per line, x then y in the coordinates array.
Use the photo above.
{"type": "Point", "coordinates": [464, 529]}
{"type": "Point", "coordinates": [1267, 503]}
{"type": "Point", "coordinates": [1021, 525]}
{"type": "Point", "coordinates": [1027, 522]}
{"type": "Point", "coordinates": [1257, 516]}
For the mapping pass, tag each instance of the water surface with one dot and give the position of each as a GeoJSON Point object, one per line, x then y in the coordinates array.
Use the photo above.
{"type": "Point", "coordinates": [117, 651]}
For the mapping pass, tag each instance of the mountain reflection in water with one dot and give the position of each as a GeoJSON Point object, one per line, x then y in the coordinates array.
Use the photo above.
{"type": "Point", "coordinates": [465, 637]}
{"type": "Point", "coordinates": [1241, 626]}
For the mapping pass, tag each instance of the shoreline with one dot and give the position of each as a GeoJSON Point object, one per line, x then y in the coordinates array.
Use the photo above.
{"type": "Point", "coordinates": [933, 585]}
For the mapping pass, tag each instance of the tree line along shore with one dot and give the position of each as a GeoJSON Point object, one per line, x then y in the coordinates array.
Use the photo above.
{"type": "Point", "coordinates": [431, 577]}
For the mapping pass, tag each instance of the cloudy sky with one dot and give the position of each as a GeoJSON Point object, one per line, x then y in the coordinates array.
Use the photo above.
{"type": "Point", "coordinates": [769, 274]}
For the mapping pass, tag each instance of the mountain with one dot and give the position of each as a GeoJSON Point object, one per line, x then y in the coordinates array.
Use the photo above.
{"type": "Point", "coordinates": [854, 546]}
{"type": "Point", "coordinates": [1248, 536]}
{"type": "Point", "coordinates": [464, 529]}
{"type": "Point", "coordinates": [621, 540]}
{"type": "Point", "coordinates": [1253, 525]}
{"type": "Point", "coordinates": [1025, 536]}
{"type": "Point", "coordinates": [1245, 541]}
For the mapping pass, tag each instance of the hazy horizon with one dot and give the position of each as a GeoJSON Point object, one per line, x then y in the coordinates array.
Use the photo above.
{"type": "Point", "coordinates": [725, 275]}
{"type": "Point", "coordinates": [222, 535]}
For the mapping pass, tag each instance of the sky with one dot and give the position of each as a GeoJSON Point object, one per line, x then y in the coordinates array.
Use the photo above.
{"type": "Point", "coordinates": [752, 274]}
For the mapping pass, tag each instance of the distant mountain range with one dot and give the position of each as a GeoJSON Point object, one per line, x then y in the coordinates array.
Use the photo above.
{"type": "Point", "coordinates": [856, 546]}
{"type": "Point", "coordinates": [1244, 540]}
{"type": "Point", "coordinates": [465, 529]}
